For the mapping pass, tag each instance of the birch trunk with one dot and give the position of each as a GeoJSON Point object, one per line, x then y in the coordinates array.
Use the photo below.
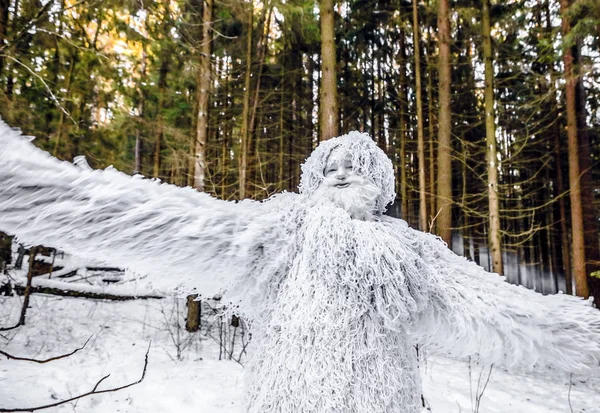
{"type": "Point", "coordinates": [204, 79]}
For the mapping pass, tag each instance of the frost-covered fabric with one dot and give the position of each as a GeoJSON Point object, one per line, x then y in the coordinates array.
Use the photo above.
{"type": "Point", "coordinates": [336, 304]}
{"type": "Point", "coordinates": [171, 236]}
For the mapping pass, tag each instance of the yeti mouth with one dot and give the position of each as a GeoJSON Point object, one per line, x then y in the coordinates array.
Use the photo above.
{"type": "Point", "coordinates": [344, 185]}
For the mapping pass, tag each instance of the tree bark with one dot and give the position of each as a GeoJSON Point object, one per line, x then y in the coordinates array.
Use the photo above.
{"type": "Point", "coordinates": [564, 232]}
{"type": "Point", "coordinates": [204, 79]}
{"type": "Point", "coordinates": [420, 128]}
{"type": "Point", "coordinates": [328, 108]}
{"type": "Point", "coordinates": [592, 248]}
{"type": "Point", "coordinates": [431, 116]}
{"type": "Point", "coordinates": [192, 323]}
{"type": "Point", "coordinates": [162, 86]}
{"type": "Point", "coordinates": [245, 129]}
{"type": "Point", "coordinates": [61, 119]}
{"type": "Point", "coordinates": [5, 252]}
{"type": "Point", "coordinates": [444, 173]}
{"type": "Point", "coordinates": [27, 293]}
{"type": "Point", "coordinates": [4, 5]}
{"type": "Point", "coordinates": [577, 227]}
{"type": "Point", "coordinates": [403, 126]}
{"type": "Point", "coordinates": [494, 234]}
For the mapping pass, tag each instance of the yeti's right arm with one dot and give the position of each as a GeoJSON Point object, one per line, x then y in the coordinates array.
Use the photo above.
{"type": "Point", "coordinates": [177, 236]}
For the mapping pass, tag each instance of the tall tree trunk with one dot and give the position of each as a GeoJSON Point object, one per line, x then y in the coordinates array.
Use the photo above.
{"type": "Point", "coordinates": [225, 144]}
{"type": "Point", "coordinates": [444, 181]}
{"type": "Point", "coordinates": [577, 227]}
{"type": "Point", "coordinates": [261, 51]}
{"type": "Point", "coordinates": [403, 126]}
{"type": "Point", "coordinates": [162, 88]}
{"type": "Point", "coordinates": [280, 158]}
{"type": "Point", "coordinates": [61, 119]}
{"type": "Point", "coordinates": [592, 248]}
{"type": "Point", "coordinates": [4, 5]}
{"type": "Point", "coordinates": [495, 237]}
{"type": "Point", "coordinates": [204, 78]}
{"type": "Point", "coordinates": [245, 129]}
{"type": "Point", "coordinates": [139, 144]}
{"type": "Point", "coordinates": [564, 232]}
{"type": "Point", "coordinates": [420, 129]}
{"type": "Point", "coordinates": [431, 116]}
{"type": "Point", "coordinates": [328, 107]}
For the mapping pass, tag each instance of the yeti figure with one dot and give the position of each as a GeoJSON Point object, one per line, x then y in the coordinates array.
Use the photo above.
{"type": "Point", "coordinates": [337, 294]}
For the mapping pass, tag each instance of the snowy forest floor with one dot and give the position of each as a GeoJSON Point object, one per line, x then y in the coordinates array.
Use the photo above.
{"type": "Point", "coordinates": [184, 373]}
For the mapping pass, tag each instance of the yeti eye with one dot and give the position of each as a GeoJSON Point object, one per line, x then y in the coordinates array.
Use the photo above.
{"type": "Point", "coordinates": [331, 168]}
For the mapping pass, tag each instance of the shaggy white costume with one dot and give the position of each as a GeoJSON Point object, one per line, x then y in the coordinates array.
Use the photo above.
{"type": "Point", "coordinates": [337, 294]}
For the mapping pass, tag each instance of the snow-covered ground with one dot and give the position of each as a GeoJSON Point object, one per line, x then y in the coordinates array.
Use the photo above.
{"type": "Point", "coordinates": [184, 373]}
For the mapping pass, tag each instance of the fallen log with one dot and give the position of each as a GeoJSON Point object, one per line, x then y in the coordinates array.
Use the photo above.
{"type": "Point", "coordinates": [20, 289]}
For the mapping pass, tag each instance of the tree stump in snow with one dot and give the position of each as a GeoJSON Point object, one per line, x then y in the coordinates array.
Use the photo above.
{"type": "Point", "coordinates": [193, 313]}
{"type": "Point", "coordinates": [5, 251]}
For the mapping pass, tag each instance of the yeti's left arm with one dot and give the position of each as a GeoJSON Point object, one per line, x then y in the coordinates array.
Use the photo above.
{"type": "Point", "coordinates": [470, 312]}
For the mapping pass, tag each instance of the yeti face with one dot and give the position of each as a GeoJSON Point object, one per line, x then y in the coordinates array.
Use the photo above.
{"type": "Point", "coordinates": [350, 162]}
{"type": "Point", "coordinates": [339, 172]}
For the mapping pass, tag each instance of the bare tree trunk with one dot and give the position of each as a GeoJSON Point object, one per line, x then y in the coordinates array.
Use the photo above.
{"type": "Point", "coordinates": [141, 109]}
{"type": "Point", "coordinates": [16, 12]}
{"type": "Point", "coordinates": [592, 248]}
{"type": "Point", "coordinates": [261, 51]}
{"type": "Point", "coordinates": [431, 115]}
{"type": "Point", "coordinates": [420, 129]}
{"type": "Point", "coordinates": [204, 78]}
{"type": "Point", "coordinates": [61, 119]}
{"type": "Point", "coordinates": [27, 294]}
{"type": "Point", "coordinates": [162, 86]}
{"type": "Point", "coordinates": [245, 129]}
{"type": "Point", "coordinates": [444, 181]}
{"type": "Point", "coordinates": [4, 5]}
{"type": "Point", "coordinates": [577, 227]}
{"type": "Point", "coordinates": [262, 47]}
{"type": "Point", "coordinates": [403, 105]}
{"type": "Point", "coordinates": [225, 144]}
{"type": "Point", "coordinates": [328, 108]}
{"type": "Point", "coordinates": [280, 164]}
{"type": "Point", "coordinates": [495, 237]}
{"type": "Point", "coordinates": [564, 232]}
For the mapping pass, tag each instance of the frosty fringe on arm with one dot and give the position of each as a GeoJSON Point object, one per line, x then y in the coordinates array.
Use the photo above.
{"type": "Point", "coordinates": [167, 233]}
{"type": "Point", "coordinates": [336, 293]}
{"type": "Point", "coordinates": [471, 312]}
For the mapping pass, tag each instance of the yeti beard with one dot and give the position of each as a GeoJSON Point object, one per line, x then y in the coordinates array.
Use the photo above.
{"type": "Point", "coordinates": [358, 199]}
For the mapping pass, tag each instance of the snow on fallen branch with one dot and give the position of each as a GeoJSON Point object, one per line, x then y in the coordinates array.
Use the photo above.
{"type": "Point", "coordinates": [90, 393]}
{"type": "Point", "coordinates": [71, 289]}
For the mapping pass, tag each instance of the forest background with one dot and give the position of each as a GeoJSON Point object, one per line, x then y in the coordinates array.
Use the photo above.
{"type": "Point", "coordinates": [489, 110]}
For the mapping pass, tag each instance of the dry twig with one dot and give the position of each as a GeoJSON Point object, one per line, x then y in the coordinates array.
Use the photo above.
{"type": "Point", "coordinates": [9, 356]}
{"type": "Point", "coordinates": [90, 393]}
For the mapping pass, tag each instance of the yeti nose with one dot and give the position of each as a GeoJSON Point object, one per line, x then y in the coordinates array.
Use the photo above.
{"type": "Point", "coordinates": [341, 173]}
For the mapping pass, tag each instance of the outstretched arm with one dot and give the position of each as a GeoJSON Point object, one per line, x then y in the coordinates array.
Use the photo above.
{"type": "Point", "coordinates": [471, 312]}
{"type": "Point", "coordinates": [174, 235]}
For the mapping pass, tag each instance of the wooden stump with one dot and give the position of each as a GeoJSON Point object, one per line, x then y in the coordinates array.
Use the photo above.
{"type": "Point", "coordinates": [193, 314]}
